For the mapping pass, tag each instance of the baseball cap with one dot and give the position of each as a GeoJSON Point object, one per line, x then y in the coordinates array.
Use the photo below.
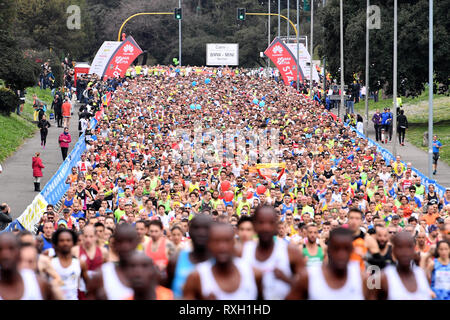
{"type": "Point", "coordinates": [432, 228]}
{"type": "Point", "coordinates": [62, 222]}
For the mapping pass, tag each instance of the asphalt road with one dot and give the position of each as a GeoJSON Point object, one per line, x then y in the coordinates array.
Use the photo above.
{"type": "Point", "coordinates": [16, 181]}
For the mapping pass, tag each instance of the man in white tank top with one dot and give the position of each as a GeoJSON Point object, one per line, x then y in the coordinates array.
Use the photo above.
{"type": "Point", "coordinates": [226, 277]}
{"type": "Point", "coordinates": [405, 280]}
{"type": "Point", "coordinates": [277, 260]}
{"type": "Point", "coordinates": [18, 284]}
{"type": "Point", "coordinates": [338, 279]}
{"type": "Point", "coordinates": [65, 264]}
{"type": "Point", "coordinates": [111, 282]}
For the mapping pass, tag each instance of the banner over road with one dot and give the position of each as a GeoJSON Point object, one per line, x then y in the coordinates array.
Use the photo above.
{"type": "Point", "coordinates": [115, 57]}
{"type": "Point", "coordinates": [284, 60]}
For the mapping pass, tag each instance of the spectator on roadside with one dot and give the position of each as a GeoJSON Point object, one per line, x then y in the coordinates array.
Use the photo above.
{"type": "Point", "coordinates": [57, 106]}
{"type": "Point", "coordinates": [402, 125]}
{"type": "Point", "coordinates": [64, 140]}
{"type": "Point", "coordinates": [37, 166]}
{"type": "Point", "coordinates": [376, 119]}
{"type": "Point", "coordinates": [5, 215]}
{"type": "Point", "coordinates": [43, 125]}
{"type": "Point", "coordinates": [437, 145]}
{"type": "Point", "coordinates": [66, 111]}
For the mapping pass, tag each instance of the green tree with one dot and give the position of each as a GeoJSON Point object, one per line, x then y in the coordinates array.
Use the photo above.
{"type": "Point", "coordinates": [412, 43]}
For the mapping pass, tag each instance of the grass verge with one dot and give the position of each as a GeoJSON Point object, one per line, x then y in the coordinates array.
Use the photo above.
{"type": "Point", "coordinates": [15, 129]}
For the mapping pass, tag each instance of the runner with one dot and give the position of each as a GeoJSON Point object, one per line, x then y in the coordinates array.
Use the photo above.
{"type": "Point", "coordinates": [18, 284]}
{"type": "Point", "coordinates": [313, 252]}
{"type": "Point", "coordinates": [404, 281]}
{"type": "Point", "coordinates": [67, 266]}
{"type": "Point", "coordinates": [277, 260]}
{"type": "Point", "coordinates": [181, 265]}
{"type": "Point", "coordinates": [226, 277]}
{"type": "Point", "coordinates": [111, 283]}
{"type": "Point", "coordinates": [90, 255]}
{"type": "Point", "coordinates": [337, 279]}
{"type": "Point", "coordinates": [363, 243]}
{"type": "Point", "coordinates": [142, 276]}
{"type": "Point", "coordinates": [438, 271]}
{"type": "Point", "coordinates": [159, 248]}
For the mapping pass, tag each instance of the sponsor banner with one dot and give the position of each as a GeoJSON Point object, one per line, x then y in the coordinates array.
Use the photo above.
{"type": "Point", "coordinates": [122, 58]}
{"type": "Point", "coordinates": [102, 57]}
{"type": "Point", "coordinates": [222, 54]}
{"type": "Point", "coordinates": [284, 60]}
{"type": "Point", "coordinates": [33, 213]}
{"type": "Point", "coordinates": [304, 60]}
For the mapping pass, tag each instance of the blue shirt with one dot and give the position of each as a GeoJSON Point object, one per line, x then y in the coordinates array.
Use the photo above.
{"type": "Point", "coordinates": [436, 144]}
{"type": "Point", "coordinates": [47, 244]}
{"type": "Point", "coordinates": [78, 215]}
{"type": "Point", "coordinates": [385, 116]}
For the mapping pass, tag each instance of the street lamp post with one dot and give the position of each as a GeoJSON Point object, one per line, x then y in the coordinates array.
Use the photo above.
{"type": "Point", "coordinates": [366, 98]}
{"type": "Point", "coordinates": [312, 52]}
{"type": "Point", "coordinates": [298, 46]}
{"type": "Point", "coordinates": [430, 91]}
{"type": "Point", "coordinates": [394, 117]}
{"type": "Point", "coordinates": [342, 54]}
{"type": "Point", "coordinates": [279, 18]}
{"type": "Point", "coordinates": [288, 18]}
{"type": "Point", "coordinates": [179, 36]}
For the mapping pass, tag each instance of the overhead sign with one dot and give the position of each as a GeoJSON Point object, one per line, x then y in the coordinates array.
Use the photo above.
{"type": "Point", "coordinates": [284, 60]}
{"type": "Point", "coordinates": [222, 54]}
{"type": "Point", "coordinates": [115, 57]}
{"type": "Point", "coordinates": [102, 57]}
{"type": "Point", "coordinates": [304, 61]}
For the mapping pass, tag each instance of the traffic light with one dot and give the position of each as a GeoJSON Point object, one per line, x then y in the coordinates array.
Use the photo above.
{"type": "Point", "coordinates": [306, 5]}
{"type": "Point", "coordinates": [241, 14]}
{"type": "Point", "coordinates": [178, 14]}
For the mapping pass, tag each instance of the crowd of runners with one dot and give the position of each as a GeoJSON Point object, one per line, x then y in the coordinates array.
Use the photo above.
{"type": "Point", "coordinates": [202, 183]}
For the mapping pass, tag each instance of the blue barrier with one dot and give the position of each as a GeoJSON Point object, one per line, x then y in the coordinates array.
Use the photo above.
{"type": "Point", "coordinates": [56, 187]}
{"type": "Point", "coordinates": [387, 156]}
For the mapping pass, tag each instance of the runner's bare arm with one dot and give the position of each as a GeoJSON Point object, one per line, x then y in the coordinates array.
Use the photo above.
{"type": "Point", "coordinates": [46, 289]}
{"type": "Point", "coordinates": [76, 251]}
{"type": "Point", "coordinates": [299, 288]}
{"type": "Point", "coordinates": [296, 259]}
{"type": "Point", "coordinates": [105, 254]}
{"type": "Point", "coordinates": [95, 290]}
{"type": "Point", "coordinates": [170, 271]}
{"type": "Point", "coordinates": [371, 244]}
{"type": "Point", "coordinates": [192, 288]}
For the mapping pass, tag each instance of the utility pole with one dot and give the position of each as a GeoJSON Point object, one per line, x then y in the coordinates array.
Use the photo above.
{"type": "Point", "coordinates": [342, 54]}
{"type": "Point", "coordinates": [298, 47]}
{"type": "Point", "coordinates": [324, 61]}
{"type": "Point", "coordinates": [366, 98]}
{"type": "Point", "coordinates": [268, 36]}
{"type": "Point", "coordinates": [288, 16]}
{"type": "Point", "coordinates": [279, 21]}
{"type": "Point", "coordinates": [394, 117]}
{"type": "Point", "coordinates": [430, 91]}
{"type": "Point", "coordinates": [179, 36]}
{"type": "Point", "coordinates": [312, 51]}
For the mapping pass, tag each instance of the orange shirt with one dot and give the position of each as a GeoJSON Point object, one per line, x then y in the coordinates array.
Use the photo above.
{"type": "Point", "coordinates": [359, 245]}
{"type": "Point", "coordinates": [66, 109]}
{"type": "Point", "coordinates": [430, 219]}
{"type": "Point", "coordinates": [162, 293]}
